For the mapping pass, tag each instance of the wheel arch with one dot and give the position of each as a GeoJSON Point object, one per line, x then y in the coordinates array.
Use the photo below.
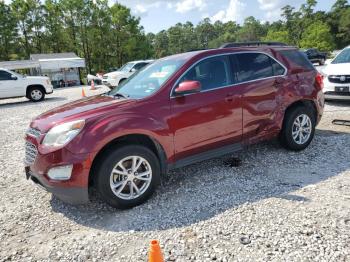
{"type": "Point", "coordinates": [121, 80]}
{"type": "Point", "coordinates": [130, 139]}
{"type": "Point", "coordinates": [301, 103]}
{"type": "Point", "coordinates": [29, 87]}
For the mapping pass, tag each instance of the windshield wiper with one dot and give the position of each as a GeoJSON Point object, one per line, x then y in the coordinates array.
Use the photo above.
{"type": "Point", "coordinates": [120, 95]}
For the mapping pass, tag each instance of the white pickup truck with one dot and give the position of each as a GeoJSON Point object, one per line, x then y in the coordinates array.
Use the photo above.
{"type": "Point", "coordinates": [32, 87]}
{"type": "Point", "coordinates": [114, 79]}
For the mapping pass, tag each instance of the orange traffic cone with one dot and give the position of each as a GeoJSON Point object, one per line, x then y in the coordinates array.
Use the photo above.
{"type": "Point", "coordinates": [155, 254]}
{"type": "Point", "coordinates": [83, 92]}
{"type": "Point", "coordinates": [92, 85]}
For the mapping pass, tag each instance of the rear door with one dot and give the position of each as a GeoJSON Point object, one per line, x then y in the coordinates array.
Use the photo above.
{"type": "Point", "coordinates": [211, 118]}
{"type": "Point", "coordinates": [261, 79]}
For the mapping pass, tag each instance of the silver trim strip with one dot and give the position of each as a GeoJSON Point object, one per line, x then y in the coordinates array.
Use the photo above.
{"type": "Point", "coordinates": [233, 84]}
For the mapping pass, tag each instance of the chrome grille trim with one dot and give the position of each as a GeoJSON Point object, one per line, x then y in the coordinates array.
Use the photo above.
{"type": "Point", "coordinates": [339, 79]}
{"type": "Point", "coordinates": [30, 153]}
{"type": "Point", "coordinates": [33, 132]}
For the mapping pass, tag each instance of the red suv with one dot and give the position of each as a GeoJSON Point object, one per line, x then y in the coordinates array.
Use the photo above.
{"type": "Point", "coordinates": [177, 111]}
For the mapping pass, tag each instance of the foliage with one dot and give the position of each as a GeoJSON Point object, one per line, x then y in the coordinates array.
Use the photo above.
{"type": "Point", "coordinates": [109, 35]}
{"type": "Point", "coordinates": [317, 35]}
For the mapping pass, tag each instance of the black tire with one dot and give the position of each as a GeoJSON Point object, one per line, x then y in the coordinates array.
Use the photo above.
{"type": "Point", "coordinates": [110, 160]}
{"type": "Point", "coordinates": [286, 136]}
{"type": "Point", "coordinates": [36, 94]}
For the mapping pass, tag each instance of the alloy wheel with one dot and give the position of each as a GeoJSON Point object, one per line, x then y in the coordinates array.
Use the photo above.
{"type": "Point", "coordinates": [130, 177]}
{"type": "Point", "coordinates": [302, 129]}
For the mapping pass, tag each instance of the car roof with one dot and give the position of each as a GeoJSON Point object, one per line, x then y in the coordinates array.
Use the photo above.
{"type": "Point", "coordinates": [141, 61]}
{"type": "Point", "coordinates": [266, 49]}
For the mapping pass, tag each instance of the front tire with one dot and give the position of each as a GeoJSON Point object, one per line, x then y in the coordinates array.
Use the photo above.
{"type": "Point", "coordinates": [36, 94]}
{"type": "Point", "coordinates": [128, 176]}
{"type": "Point", "coordinates": [298, 129]}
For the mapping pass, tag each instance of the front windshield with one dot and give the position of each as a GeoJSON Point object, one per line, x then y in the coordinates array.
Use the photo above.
{"type": "Point", "coordinates": [127, 67]}
{"type": "Point", "coordinates": [343, 57]}
{"type": "Point", "coordinates": [149, 80]}
{"type": "Point", "coordinates": [17, 74]}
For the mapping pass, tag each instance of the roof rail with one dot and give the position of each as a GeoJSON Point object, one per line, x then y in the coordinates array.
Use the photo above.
{"type": "Point", "coordinates": [247, 44]}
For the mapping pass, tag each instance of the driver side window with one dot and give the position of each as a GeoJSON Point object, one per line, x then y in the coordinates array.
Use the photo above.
{"type": "Point", "coordinates": [4, 76]}
{"type": "Point", "coordinates": [212, 73]}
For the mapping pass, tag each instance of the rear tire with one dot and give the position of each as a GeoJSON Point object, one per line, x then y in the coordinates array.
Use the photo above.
{"type": "Point", "coordinates": [36, 94]}
{"type": "Point", "coordinates": [127, 176]}
{"type": "Point", "coordinates": [298, 129]}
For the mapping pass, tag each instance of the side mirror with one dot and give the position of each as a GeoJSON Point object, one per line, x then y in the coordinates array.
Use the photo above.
{"type": "Point", "coordinates": [132, 70]}
{"type": "Point", "coordinates": [188, 87]}
{"type": "Point", "coordinates": [13, 77]}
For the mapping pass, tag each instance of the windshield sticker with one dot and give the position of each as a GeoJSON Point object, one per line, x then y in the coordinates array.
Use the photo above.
{"type": "Point", "coordinates": [159, 74]}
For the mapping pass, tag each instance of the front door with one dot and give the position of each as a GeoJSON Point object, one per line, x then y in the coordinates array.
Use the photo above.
{"type": "Point", "coordinates": [211, 118]}
{"type": "Point", "coordinates": [10, 85]}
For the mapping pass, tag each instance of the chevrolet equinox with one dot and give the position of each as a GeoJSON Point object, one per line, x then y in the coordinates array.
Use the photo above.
{"type": "Point", "coordinates": [176, 111]}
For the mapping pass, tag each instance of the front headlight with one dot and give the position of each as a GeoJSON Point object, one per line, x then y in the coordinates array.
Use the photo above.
{"type": "Point", "coordinates": [62, 134]}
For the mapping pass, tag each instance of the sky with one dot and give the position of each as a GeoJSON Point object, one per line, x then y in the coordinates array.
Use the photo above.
{"type": "Point", "coordinates": [157, 15]}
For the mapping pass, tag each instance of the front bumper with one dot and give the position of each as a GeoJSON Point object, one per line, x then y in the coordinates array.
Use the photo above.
{"type": "Point", "coordinates": [331, 93]}
{"type": "Point", "coordinates": [71, 195]}
{"type": "Point", "coordinates": [74, 190]}
{"type": "Point", "coordinates": [49, 89]}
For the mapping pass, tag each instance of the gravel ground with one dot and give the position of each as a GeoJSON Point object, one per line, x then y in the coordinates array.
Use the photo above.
{"type": "Point", "coordinates": [263, 204]}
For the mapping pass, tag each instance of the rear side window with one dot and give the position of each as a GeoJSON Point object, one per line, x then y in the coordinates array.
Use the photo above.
{"type": "Point", "coordinates": [298, 58]}
{"type": "Point", "coordinates": [254, 66]}
{"type": "Point", "coordinates": [211, 73]}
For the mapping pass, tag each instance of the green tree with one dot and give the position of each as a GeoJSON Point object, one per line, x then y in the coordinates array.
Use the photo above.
{"type": "Point", "coordinates": [29, 17]}
{"type": "Point", "coordinates": [277, 36]}
{"type": "Point", "coordinates": [344, 27]}
{"type": "Point", "coordinates": [161, 44]}
{"type": "Point", "coordinates": [318, 35]}
{"type": "Point", "coordinates": [8, 32]}
{"type": "Point", "coordinates": [252, 30]}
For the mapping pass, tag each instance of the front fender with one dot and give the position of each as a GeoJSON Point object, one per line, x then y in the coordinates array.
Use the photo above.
{"type": "Point", "coordinates": [97, 135]}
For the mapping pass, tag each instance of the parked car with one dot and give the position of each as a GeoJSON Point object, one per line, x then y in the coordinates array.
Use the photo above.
{"type": "Point", "coordinates": [316, 56]}
{"type": "Point", "coordinates": [175, 112]}
{"type": "Point", "coordinates": [15, 85]}
{"type": "Point", "coordinates": [337, 77]}
{"type": "Point", "coordinates": [114, 79]}
{"type": "Point", "coordinates": [97, 79]}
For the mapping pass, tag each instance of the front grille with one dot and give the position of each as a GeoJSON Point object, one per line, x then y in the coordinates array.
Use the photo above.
{"type": "Point", "coordinates": [339, 79]}
{"type": "Point", "coordinates": [105, 77]}
{"type": "Point", "coordinates": [30, 153]}
{"type": "Point", "coordinates": [33, 132]}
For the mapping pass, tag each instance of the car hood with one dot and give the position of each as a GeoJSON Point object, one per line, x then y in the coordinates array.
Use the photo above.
{"type": "Point", "coordinates": [81, 109]}
{"type": "Point", "coordinates": [337, 69]}
{"type": "Point", "coordinates": [37, 78]}
{"type": "Point", "coordinates": [116, 73]}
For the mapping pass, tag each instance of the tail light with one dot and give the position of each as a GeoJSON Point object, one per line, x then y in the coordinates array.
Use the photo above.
{"type": "Point", "coordinates": [319, 80]}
